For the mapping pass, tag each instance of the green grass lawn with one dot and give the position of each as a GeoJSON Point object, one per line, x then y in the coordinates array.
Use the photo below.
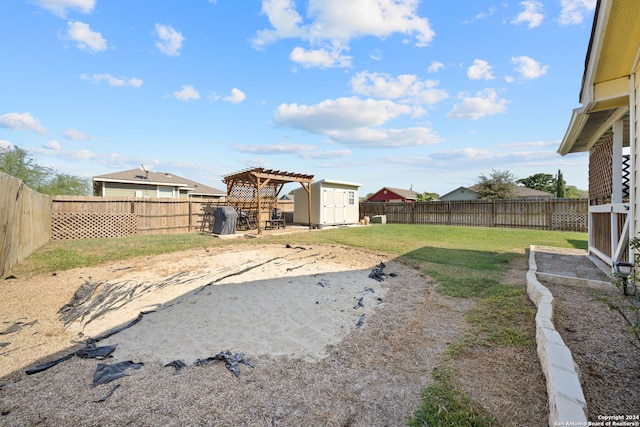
{"type": "Point", "coordinates": [466, 262]}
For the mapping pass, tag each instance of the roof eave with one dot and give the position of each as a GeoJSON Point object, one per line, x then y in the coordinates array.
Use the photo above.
{"type": "Point", "coordinates": [578, 119]}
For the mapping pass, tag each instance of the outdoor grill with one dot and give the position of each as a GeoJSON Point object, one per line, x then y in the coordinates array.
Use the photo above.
{"type": "Point", "coordinates": [224, 220]}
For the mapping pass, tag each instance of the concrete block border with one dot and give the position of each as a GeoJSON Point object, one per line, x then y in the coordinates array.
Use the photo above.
{"type": "Point", "coordinates": [567, 403]}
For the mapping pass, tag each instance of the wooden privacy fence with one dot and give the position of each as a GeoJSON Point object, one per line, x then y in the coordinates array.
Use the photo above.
{"type": "Point", "coordinates": [25, 221]}
{"type": "Point", "coordinates": [84, 217]}
{"type": "Point", "coordinates": [80, 217]}
{"type": "Point", "coordinates": [543, 214]}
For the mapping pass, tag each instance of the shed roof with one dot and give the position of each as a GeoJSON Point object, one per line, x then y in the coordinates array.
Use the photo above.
{"type": "Point", "coordinates": [333, 181]}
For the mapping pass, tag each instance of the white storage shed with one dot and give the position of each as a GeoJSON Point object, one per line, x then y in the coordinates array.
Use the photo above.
{"type": "Point", "coordinates": [332, 203]}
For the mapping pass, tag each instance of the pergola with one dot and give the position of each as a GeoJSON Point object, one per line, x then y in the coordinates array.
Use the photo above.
{"type": "Point", "coordinates": [257, 190]}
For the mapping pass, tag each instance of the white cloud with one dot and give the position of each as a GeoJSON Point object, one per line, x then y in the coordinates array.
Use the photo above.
{"type": "Point", "coordinates": [376, 55]}
{"type": "Point", "coordinates": [321, 58]}
{"type": "Point", "coordinates": [331, 23]}
{"type": "Point", "coordinates": [574, 11]}
{"type": "Point", "coordinates": [494, 156]}
{"type": "Point", "coordinates": [187, 93]}
{"type": "Point", "coordinates": [386, 138]}
{"type": "Point", "coordinates": [405, 86]}
{"type": "Point", "coordinates": [338, 114]}
{"type": "Point", "coordinates": [113, 81]}
{"type": "Point", "coordinates": [529, 68]}
{"type": "Point", "coordinates": [52, 145]}
{"type": "Point", "coordinates": [435, 66]}
{"type": "Point", "coordinates": [305, 151]}
{"type": "Point", "coordinates": [85, 37]}
{"type": "Point", "coordinates": [532, 144]}
{"type": "Point", "coordinates": [480, 70]}
{"type": "Point", "coordinates": [531, 15]}
{"type": "Point", "coordinates": [482, 15]}
{"type": "Point", "coordinates": [21, 121]}
{"type": "Point", "coordinates": [77, 135]}
{"type": "Point", "coordinates": [60, 7]}
{"type": "Point", "coordinates": [170, 41]}
{"type": "Point", "coordinates": [4, 144]}
{"type": "Point", "coordinates": [236, 97]}
{"type": "Point", "coordinates": [334, 19]}
{"type": "Point", "coordinates": [351, 120]}
{"type": "Point", "coordinates": [284, 19]}
{"type": "Point", "coordinates": [485, 103]}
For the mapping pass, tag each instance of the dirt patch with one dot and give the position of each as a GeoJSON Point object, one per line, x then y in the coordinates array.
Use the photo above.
{"type": "Point", "coordinates": [374, 375]}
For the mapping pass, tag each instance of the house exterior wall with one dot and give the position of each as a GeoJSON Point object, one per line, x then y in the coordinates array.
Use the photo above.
{"type": "Point", "coordinates": [119, 189]}
{"type": "Point", "coordinates": [385, 195]}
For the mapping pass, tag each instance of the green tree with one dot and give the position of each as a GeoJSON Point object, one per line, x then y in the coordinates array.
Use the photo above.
{"type": "Point", "coordinates": [540, 181]}
{"type": "Point", "coordinates": [573, 192]}
{"type": "Point", "coordinates": [17, 163]}
{"type": "Point", "coordinates": [62, 183]}
{"type": "Point", "coordinates": [426, 197]}
{"type": "Point", "coordinates": [560, 185]}
{"type": "Point", "coordinates": [498, 185]}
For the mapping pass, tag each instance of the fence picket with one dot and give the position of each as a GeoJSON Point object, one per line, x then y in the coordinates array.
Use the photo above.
{"type": "Point", "coordinates": [541, 214]}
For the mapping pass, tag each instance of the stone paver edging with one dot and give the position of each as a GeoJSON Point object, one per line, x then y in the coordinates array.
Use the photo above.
{"type": "Point", "coordinates": [567, 404]}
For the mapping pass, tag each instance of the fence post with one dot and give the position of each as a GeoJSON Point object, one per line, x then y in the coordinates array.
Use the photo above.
{"type": "Point", "coordinates": [493, 213]}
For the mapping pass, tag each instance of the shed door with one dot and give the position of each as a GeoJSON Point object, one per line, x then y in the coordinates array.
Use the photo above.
{"type": "Point", "coordinates": [334, 206]}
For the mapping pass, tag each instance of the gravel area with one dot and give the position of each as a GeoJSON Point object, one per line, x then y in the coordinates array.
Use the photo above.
{"type": "Point", "coordinates": [606, 352]}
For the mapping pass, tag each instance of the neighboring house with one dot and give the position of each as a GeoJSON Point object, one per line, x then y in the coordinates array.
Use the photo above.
{"type": "Point", "coordinates": [460, 193]}
{"type": "Point", "coordinates": [606, 126]}
{"type": "Point", "coordinates": [148, 184]}
{"type": "Point", "coordinates": [388, 194]}
{"type": "Point", "coordinates": [472, 193]}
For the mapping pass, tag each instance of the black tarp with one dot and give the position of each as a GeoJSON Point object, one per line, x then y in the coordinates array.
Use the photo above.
{"type": "Point", "coordinates": [224, 220]}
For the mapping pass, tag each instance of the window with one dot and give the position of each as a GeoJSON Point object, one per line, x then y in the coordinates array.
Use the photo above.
{"type": "Point", "coordinates": [165, 192]}
{"type": "Point", "coordinates": [352, 198]}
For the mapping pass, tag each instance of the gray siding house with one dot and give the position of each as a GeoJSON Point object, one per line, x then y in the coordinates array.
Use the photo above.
{"type": "Point", "coordinates": [148, 184]}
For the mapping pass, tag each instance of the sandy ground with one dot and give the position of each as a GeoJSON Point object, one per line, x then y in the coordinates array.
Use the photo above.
{"type": "Point", "coordinates": [327, 344]}
{"type": "Point", "coordinates": [292, 313]}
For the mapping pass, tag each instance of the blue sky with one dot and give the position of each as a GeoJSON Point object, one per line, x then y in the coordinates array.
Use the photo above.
{"type": "Point", "coordinates": [415, 94]}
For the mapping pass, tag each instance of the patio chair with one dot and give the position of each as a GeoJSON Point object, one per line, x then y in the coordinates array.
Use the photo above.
{"type": "Point", "coordinates": [245, 220]}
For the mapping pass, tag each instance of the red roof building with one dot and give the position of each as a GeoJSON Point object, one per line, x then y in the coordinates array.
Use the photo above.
{"type": "Point", "coordinates": [387, 194]}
